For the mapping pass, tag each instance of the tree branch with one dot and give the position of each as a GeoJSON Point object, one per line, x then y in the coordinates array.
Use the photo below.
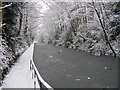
{"type": "Point", "coordinates": [103, 27]}
{"type": "Point", "coordinates": [6, 6]}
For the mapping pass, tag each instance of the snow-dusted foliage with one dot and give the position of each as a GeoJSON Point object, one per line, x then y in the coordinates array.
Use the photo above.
{"type": "Point", "coordinates": [90, 26]}
{"type": "Point", "coordinates": [17, 32]}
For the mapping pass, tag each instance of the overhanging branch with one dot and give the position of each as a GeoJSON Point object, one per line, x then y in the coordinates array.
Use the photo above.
{"type": "Point", "coordinates": [6, 6]}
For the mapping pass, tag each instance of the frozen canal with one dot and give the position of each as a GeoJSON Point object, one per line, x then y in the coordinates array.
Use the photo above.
{"type": "Point", "coordinates": [67, 68]}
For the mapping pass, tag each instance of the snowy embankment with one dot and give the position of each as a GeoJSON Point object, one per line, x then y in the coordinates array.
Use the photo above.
{"type": "Point", "coordinates": [20, 74]}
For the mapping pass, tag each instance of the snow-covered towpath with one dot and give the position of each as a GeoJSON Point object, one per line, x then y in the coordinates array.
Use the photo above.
{"type": "Point", "coordinates": [20, 75]}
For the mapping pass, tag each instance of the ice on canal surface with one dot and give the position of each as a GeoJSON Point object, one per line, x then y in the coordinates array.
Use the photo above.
{"type": "Point", "coordinates": [75, 69]}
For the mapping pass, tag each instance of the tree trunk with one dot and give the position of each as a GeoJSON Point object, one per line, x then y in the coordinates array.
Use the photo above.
{"type": "Point", "coordinates": [20, 23]}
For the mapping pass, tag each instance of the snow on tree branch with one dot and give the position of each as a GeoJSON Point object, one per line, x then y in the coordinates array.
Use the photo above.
{"type": "Point", "coordinates": [6, 6]}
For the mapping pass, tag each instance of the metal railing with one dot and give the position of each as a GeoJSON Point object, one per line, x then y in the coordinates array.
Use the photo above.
{"type": "Point", "coordinates": [36, 75]}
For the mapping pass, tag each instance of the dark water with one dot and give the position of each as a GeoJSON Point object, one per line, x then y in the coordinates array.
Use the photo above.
{"type": "Point", "coordinates": [67, 68]}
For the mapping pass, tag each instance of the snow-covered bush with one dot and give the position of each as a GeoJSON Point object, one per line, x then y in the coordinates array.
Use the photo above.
{"type": "Point", "coordinates": [99, 48]}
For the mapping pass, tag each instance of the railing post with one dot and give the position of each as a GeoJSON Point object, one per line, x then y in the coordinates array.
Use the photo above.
{"type": "Point", "coordinates": [35, 74]}
{"type": "Point", "coordinates": [34, 84]}
{"type": "Point", "coordinates": [32, 71]}
{"type": "Point", "coordinates": [30, 64]}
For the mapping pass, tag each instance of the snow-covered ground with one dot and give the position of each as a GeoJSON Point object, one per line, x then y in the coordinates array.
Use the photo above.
{"type": "Point", "coordinates": [20, 74]}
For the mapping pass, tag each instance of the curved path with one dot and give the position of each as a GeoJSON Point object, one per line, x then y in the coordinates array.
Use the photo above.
{"type": "Point", "coordinates": [20, 74]}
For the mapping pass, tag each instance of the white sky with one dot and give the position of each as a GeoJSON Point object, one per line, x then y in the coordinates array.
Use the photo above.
{"type": "Point", "coordinates": [44, 6]}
